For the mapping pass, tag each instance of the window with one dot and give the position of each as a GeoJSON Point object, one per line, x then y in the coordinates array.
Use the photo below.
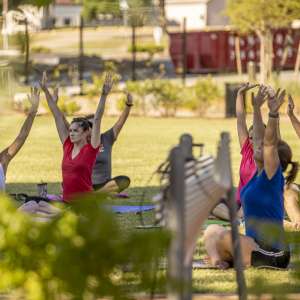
{"type": "Point", "coordinates": [67, 21]}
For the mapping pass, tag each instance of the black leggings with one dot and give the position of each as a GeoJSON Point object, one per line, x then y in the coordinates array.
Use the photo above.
{"type": "Point", "coordinates": [122, 182]}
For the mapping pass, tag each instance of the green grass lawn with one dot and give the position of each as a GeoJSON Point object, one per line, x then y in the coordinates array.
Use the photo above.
{"type": "Point", "coordinates": [97, 41]}
{"type": "Point", "coordinates": [141, 147]}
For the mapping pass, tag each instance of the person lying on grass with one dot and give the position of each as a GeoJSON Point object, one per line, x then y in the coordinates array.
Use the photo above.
{"type": "Point", "coordinates": [261, 198]}
{"type": "Point", "coordinates": [80, 144]}
{"type": "Point", "coordinates": [10, 152]}
{"type": "Point", "coordinates": [101, 176]}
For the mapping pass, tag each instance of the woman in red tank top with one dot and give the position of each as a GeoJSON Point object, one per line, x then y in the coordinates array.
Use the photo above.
{"type": "Point", "coordinates": [80, 142]}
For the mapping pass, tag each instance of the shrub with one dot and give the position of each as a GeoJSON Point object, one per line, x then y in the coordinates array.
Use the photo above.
{"type": "Point", "coordinates": [98, 80]}
{"type": "Point", "coordinates": [150, 49]}
{"type": "Point", "coordinates": [81, 254]}
{"type": "Point", "coordinates": [139, 91]}
{"type": "Point", "coordinates": [201, 95]}
{"type": "Point", "coordinates": [67, 106]}
{"type": "Point", "coordinates": [167, 95]}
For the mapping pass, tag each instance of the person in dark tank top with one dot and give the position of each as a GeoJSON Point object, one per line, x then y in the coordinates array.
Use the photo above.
{"type": "Point", "coordinates": [102, 172]}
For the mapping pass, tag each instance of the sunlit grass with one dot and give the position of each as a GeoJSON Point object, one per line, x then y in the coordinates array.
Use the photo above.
{"type": "Point", "coordinates": [141, 147]}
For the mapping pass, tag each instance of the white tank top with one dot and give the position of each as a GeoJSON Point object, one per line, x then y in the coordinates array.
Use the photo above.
{"type": "Point", "coordinates": [2, 179]}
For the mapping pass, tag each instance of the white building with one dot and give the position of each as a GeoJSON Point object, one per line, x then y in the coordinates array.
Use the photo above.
{"type": "Point", "coordinates": [193, 10]}
{"type": "Point", "coordinates": [62, 13]}
{"type": "Point", "coordinates": [198, 13]}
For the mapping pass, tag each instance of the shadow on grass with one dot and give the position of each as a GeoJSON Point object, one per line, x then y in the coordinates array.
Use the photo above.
{"type": "Point", "coordinates": [136, 194]}
{"type": "Point", "coordinates": [31, 188]}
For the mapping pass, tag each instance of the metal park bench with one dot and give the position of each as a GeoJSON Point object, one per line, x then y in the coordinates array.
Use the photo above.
{"type": "Point", "coordinates": [191, 188]}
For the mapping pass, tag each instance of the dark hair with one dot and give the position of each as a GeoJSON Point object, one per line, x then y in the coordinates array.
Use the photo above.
{"type": "Point", "coordinates": [88, 117]}
{"type": "Point", "coordinates": [91, 116]}
{"type": "Point", "coordinates": [83, 123]}
{"type": "Point", "coordinates": [285, 157]}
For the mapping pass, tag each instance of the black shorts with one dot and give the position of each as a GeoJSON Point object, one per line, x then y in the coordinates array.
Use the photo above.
{"type": "Point", "coordinates": [268, 257]}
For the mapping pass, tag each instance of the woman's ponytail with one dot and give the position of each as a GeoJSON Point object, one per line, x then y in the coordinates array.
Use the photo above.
{"type": "Point", "coordinates": [292, 173]}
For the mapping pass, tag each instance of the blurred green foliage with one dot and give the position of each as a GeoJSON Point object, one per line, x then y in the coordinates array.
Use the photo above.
{"type": "Point", "coordinates": [82, 254]}
{"type": "Point", "coordinates": [95, 88]}
{"type": "Point", "coordinates": [167, 96]}
{"type": "Point", "coordinates": [200, 96]}
{"type": "Point", "coordinates": [67, 106]}
{"type": "Point", "coordinates": [150, 49]}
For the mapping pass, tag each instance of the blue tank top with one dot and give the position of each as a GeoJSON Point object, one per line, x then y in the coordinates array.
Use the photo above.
{"type": "Point", "coordinates": [262, 202]}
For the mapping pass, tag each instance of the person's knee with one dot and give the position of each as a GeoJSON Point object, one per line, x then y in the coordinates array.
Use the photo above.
{"type": "Point", "coordinates": [224, 243]}
{"type": "Point", "coordinates": [213, 230]}
{"type": "Point", "coordinates": [122, 182]}
{"type": "Point", "coordinates": [225, 237]}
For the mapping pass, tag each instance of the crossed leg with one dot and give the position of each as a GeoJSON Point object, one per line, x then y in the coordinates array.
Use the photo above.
{"type": "Point", "coordinates": [114, 185]}
{"type": "Point", "coordinates": [218, 244]}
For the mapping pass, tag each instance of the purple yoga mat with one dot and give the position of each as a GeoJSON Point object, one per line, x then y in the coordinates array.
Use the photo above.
{"type": "Point", "coordinates": [123, 209]}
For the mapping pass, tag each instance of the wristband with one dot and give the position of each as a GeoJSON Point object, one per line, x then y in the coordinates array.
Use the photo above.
{"type": "Point", "coordinates": [273, 115]}
{"type": "Point", "coordinates": [128, 104]}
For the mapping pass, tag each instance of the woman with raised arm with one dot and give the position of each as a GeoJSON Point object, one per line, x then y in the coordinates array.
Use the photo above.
{"type": "Point", "coordinates": [101, 176]}
{"type": "Point", "coordinates": [245, 135]}
{"type": "Point", "coordinates": [10, 152]}
{"type": "Point", "coordinates": [102, 179]}
{"type": "Point", "coordinates": [80, 144]}
{"type": "Point", "coordinates": [262, 202]}
{"type": "Point", "coordinates": [291, 193]}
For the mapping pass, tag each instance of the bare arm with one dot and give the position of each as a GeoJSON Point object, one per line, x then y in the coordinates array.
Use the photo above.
{"type": "Point", "coordinates": [241, 113]}
{"type": "Point", "coordinates": [122, 119]}
{"type": "Point", "coordinates": [95, 136]}
{"type": "Point", "coordinates": [61, 123]}
{"type": "Point", "coordinates": [291, 114]}
{"type": "Point", "coordinates": [8, 154]}
{"type": "Point", "coordinates": [258, 124]}
{"type": "Point", "coordinates": [271, 158]}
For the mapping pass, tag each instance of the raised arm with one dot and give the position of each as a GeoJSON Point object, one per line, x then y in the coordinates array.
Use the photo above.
{"type": "Point", "coordinates": [291, 114]}
{"type": "Point", "coordinates": [8, 154]}
{"type": "Point", "coordinates": [107, 86]}
{"type": "Point", "coordinates": [241, 113]}
{"type": "Point", "coordinates": [61, 123]}
{"type": "Point", "coordinates": [258, 124]}
{"type": "Point", "coordinates": [271, 158]}
{"type": "Point", "coordinates": [122, 119]}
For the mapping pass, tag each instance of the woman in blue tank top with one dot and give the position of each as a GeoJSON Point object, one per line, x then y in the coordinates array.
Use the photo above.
{"type": "Point", "coordinates": [262, 197]}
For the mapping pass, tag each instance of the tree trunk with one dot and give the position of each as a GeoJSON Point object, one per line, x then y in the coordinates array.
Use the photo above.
{"type": "Point", "coordinates": [269, 54]}
{"type": "Point", "coordinates": [297, 64]}
{"type": "Point", "coordinates": [237, 49]}
{"type": "Point", "coordinates": [266, 55]}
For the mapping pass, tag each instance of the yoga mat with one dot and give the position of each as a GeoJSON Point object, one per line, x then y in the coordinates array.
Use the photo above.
{"type": "Point", "coordinates": [123, 209]}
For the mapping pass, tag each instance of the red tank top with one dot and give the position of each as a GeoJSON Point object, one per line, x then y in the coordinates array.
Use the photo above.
{"type": "Point", "coordinates": [77, 172]}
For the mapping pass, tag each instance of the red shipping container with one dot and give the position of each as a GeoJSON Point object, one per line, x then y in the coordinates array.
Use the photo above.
{"type": "Point", "coordinates": [214, 50]}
